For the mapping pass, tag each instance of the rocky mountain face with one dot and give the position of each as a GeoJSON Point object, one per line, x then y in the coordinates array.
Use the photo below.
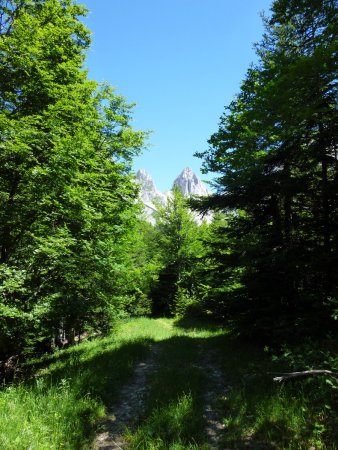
{"type": "Point", "coordinates": [148, 191]}
{"type": "Point", "coordinates": [187, 182]}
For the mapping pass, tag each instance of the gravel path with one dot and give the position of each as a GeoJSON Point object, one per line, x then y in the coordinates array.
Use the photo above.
{"type": "Point", "coordinates": [133, 396]}
{"type": "Point", "coordinates": [130, 407]}
{"type": "Point", "coordinates": [214, 394]}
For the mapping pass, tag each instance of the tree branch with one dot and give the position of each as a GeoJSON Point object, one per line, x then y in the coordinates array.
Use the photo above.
{"type": "Point", "coordinates": [305, 373]}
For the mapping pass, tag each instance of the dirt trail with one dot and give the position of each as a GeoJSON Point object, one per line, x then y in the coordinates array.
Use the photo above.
{"type": "Point", "coordinates": [214, 394]}
{"type": "Point", "coordinates": [131, 405]}
{"type": "Point", "coordinates": [133, 397]}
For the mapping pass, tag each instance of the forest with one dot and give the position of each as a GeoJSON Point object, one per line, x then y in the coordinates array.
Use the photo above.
{"type": "Point", "coordinates": [89, 288]}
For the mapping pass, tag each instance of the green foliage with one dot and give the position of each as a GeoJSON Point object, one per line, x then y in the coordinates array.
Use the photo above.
{"type": "Point", "coordinates": [66, 195]}
{"type": "Point", "coordinates": [139, 270]}
{"type": "Point", "coordinates": [179, 247]}
{"type": "Point", "coordinates": [220, 290]}
{"type": "Point", "coordinates": [276, 156]}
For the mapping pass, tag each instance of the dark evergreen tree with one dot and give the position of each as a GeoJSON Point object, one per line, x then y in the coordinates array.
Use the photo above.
{"type": "Point", "coordinates": [276, 152]}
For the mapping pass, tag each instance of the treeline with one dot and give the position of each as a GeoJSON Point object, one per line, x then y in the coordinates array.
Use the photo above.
{"type": "Point", "coordinates": [275, 155]}
{"type": "Point", "coordinates": [74, 252]}
{"type": "Point", "coordinates": [268, 264]}
{"type": "Point", "coordinates": [67, 199]}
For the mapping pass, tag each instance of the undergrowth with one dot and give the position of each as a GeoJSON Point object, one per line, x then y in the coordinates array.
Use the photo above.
{"type": "Point", "coordinates": [63, 403]}
{"type": "Point", "coordinates": [264, 414]}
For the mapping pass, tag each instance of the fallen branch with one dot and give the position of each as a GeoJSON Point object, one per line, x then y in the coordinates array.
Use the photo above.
{"type": "Point", "coordinates": [305, 373]}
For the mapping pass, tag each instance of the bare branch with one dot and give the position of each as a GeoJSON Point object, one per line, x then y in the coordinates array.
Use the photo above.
{"type": "Point", "coordinates": [305, 373]}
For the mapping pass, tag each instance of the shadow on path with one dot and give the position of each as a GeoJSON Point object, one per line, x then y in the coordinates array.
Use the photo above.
{"type": "Point", "coordinates": [177, 398]}
{"type": "Point", "coordinates": [171, 394]}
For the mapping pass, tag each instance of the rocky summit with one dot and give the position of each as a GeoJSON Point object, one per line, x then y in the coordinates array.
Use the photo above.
{"type": "Point", "coordinates": [188, 182]}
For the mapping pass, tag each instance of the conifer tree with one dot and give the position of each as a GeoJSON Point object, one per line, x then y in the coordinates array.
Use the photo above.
{"type": "Point", "coordinates": [276, 152]}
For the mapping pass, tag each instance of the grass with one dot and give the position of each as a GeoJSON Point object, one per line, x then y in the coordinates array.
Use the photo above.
{"type": "Point", "coordinates": [46, 417]}
{"type": "Point", "coordinates": [261, 414]}
{"type": "Point", "coordinates": [63, 404]}
{"type": "Point", "coordinates": [174, 418]}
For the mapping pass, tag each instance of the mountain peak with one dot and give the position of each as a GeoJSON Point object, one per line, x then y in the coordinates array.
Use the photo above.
{"type": "Point", "coordinates": [145, 181]}
{"type": "Point", "coordinates": [188, 172]}
{"type": "Point", "coordinates": [189, 183]}
{"type": "Point", "coordinates": [142, 174]}
{"type": "Point", "coordinates": [148, 190]}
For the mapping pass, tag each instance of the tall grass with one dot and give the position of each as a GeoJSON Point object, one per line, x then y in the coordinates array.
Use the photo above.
{"type": "Point", "coordinates": [62, 405]}
{"type": "Point", "coordinates": [46, 417]}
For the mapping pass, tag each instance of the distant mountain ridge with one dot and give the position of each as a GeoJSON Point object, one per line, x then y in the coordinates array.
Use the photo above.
{"type": "Point", "coordinates": [188, 183]}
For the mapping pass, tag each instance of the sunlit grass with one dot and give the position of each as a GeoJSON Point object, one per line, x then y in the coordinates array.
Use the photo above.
{"type": "Point", "coordinates": [69, 393]}
{"type": "Point", "coordinates": [170, 426]}
{"type": "Point", "coordinates": [174, 418]}
{"type": "Point", "coordinates": [46, 417]}
{"type": "Point", "coordinates": [71, 389]}
{"type": "Point", "coordinates": [65, 400]}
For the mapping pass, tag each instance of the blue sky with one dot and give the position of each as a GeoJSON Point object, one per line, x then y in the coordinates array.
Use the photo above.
{"type": "Point", "coordinates": [181, 62]}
